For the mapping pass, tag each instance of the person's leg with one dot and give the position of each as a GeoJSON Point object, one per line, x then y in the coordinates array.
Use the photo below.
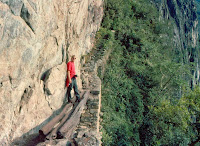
{"type": "Point", "coordinates": [69, 89]}
{"type": "Point", "coordinates": [65, 97]}
{"type": "Point", "coordinates": [76, 90]}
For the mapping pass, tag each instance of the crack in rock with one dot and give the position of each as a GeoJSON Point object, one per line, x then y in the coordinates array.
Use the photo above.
{"type": "Point", "coordinates": [25, 15]}
{"type": "Point", "coordinates": [25, 97]}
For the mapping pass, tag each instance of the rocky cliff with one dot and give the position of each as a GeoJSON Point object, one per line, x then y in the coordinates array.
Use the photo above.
{"type": "Point", "coordinates": [37, 39]}
{"type": "Point", "coordinates": [197, 2]}
{"type": "Point", "coordinates": [182, 14]}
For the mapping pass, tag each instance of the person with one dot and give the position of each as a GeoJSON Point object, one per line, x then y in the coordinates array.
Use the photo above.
{"type": "Point", "coordinates": [71, 79]}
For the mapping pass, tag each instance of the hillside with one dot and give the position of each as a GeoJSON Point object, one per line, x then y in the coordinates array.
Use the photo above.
{"type": "Point", "coordinates": [146, 97]}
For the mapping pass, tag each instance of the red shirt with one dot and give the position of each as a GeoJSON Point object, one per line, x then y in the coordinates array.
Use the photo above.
{"type": "Point", "coordinates": [71, 69]}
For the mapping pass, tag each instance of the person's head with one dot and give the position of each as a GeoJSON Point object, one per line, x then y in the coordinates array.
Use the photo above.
{"type": "Point", "coordinates": [73, 58]}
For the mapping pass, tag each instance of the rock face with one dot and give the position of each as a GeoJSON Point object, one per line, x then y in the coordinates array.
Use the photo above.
{"type": "Point", "coordinates": [197, 2]}
{"type": "Point", "coordinates": [37, 39]}
{"type": "Point", "coordinates": [183, 16]}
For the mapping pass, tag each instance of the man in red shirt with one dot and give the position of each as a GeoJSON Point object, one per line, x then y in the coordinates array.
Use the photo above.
{"type": "Point", "coordinates": [71, 79]}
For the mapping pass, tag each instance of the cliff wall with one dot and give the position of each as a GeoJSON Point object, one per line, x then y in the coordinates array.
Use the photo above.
{"type": "Point", "coordinates": [37, 39]}
{"type": "Point", "coordinates": [182, 14]}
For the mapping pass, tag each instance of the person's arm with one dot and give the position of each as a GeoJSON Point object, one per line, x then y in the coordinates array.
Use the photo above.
{"type": "Point", "coordinates": [68, 72]}
{"type": "Point", "coordinates": [68, 75]}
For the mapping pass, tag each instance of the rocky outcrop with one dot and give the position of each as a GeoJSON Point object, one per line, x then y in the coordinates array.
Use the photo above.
{"type": "Point", "coordinates": [37, 39]}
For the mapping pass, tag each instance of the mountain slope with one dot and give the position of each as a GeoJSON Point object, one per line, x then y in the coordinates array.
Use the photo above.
{"type": "Point", "coordinates": [143, 80]}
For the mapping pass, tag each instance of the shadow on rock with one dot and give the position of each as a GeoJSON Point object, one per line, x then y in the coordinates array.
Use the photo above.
{"type": "Point", "coordinates": [32, 137]}
{"type": "Point", "coordinates": [29, 140]}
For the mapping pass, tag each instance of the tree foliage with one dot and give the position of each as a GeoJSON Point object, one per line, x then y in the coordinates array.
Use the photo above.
{"type": "Point", "coordinates": [141, 85]}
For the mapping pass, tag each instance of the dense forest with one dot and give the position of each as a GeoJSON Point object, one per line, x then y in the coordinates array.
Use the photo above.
{"type": "Point", "coordinates": [145, 97]}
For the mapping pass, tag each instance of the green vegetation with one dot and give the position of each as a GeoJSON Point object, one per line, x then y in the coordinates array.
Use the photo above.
{"type": "Point", "coordinates": [141, 86]}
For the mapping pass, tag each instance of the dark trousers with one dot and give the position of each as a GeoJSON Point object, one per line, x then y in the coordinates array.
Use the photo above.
{"type": "Point", "coordinates": [71, 86]}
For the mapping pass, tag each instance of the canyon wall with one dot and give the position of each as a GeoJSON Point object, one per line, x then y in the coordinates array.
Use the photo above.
{"type": "Point", "coordinates": [37, 38]}
{"type": "Point", "coordinates": [182, 15]}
